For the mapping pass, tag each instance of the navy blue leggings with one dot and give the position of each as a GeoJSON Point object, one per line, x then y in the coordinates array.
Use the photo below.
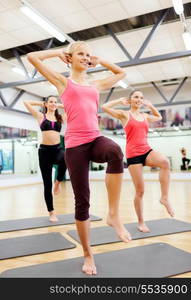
{"type": "Point", "coordinates": [100, 150]}
{"type": "Point", "coordinates": [50, 155]}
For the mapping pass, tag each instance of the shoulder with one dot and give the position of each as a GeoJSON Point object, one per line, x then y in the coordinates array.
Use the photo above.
{"type": "Point", "coordinates": [124, 116]}
{"type": "Point", "coordinates": [62, 89]}
{"type": "Point", "coordinates": [41, 117]}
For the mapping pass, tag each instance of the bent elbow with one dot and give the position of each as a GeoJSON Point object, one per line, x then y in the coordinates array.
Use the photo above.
{"type": "Point", "coordinates": [122, 74]}
{"type": "Point", "coordinates": [30, 56]}
{"type": "Point", "coordinates": [103, 108]}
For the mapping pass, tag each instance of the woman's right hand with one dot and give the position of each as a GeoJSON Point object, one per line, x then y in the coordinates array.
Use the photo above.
{"type": "Point", "coordinates": [125, 101]}
{"type": "Point", "coordinates": [65, 57]}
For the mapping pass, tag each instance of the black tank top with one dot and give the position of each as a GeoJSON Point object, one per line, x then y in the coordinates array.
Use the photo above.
{"type": "Point", "coordinates": [50, 125]}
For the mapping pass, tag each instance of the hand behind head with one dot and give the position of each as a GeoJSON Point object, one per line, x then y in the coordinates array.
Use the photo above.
{"type": "Point", "coordinates": [125, 101]}
{"type": "Point", "coordinates": [65, 57]}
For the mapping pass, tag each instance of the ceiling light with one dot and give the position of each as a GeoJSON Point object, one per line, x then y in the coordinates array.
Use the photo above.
{"type": "Point", "coordinates": [122, 84]}
{"type": "Point", "coordinates": [43, 22]}
{"type": "Point", "coordinates": [18, 70]}
{"type": "Point", "coordinates": [178, 6]}
{"type": "Point", "coordinates": [187, 40]}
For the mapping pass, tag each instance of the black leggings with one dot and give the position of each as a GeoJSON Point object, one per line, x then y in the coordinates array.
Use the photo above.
{"type": "Point", "coordinates": [100, 150]}
{"type": "Point", "coordinates": [50, 155]}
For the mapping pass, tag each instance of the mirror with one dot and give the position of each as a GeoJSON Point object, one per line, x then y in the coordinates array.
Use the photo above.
{"type": "Point", "coordinates": [18, 151]}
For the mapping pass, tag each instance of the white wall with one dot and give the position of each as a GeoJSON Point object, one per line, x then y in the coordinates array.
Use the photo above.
{"type": "Point", "coordinates": [25, 159]}
{"type": "Point", "coordinates": [17, 120]}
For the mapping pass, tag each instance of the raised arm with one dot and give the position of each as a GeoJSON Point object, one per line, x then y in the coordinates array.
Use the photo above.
{"type": "Point", "coordinates": [37, 58]}
{"type": "Point", "coordinates": [30, 107]}
{"type": "Point", "coordinates": [156, 116]}
{"type": "Point", "coordinates": [116, 113]}
{"type": "Point", "coordinates": [60, 105]}
{"type": "Point", "coordinates": [107, 83]}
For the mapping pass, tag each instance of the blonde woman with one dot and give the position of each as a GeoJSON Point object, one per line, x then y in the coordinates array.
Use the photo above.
{"type": "Point", "coordinates": [83, 140]}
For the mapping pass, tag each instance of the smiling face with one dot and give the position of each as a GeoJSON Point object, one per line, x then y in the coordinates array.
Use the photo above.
{"type": "Point", "coordinates": [136, 99]}
{"type": "Point", "coordinates": [51, 103]}
{"type": "Point", "coordinates": [79, 56]}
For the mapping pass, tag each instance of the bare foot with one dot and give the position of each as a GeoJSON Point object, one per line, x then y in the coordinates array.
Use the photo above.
{"type": "Point", "coordinates": [168, 206]}
{"type": "Point", "coordinates": [53, 217]}
{"type": "Point", "coordinates": [57, 188]}
{"type": "Point", "coordinates": [89, 266]}
{"type": "Point", "coordinates": [143, 227]}
{"type": "Point", "coordinates": [123, 234]}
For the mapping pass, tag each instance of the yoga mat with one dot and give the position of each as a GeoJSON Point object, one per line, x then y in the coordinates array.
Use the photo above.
{"type": "Point", "coordinates": [155, 260]}
{"type": "Point", "coordinates": [33, 244]}
{"type": "Point", "coordinates": [105, 234]}
{"type": "Point", "coordinates": [29, 223]}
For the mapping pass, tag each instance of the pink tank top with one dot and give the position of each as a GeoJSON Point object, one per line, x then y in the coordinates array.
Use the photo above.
{"type": "Point", "coordinates": [81, 105]}
{"type": "Point", "coordinates": [136, 137]}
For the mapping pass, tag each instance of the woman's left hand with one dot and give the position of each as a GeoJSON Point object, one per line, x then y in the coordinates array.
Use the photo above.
{"type": "Point", "coordinates": [94, 60]}
{"type": "Point", "coordinates": [147, 103]}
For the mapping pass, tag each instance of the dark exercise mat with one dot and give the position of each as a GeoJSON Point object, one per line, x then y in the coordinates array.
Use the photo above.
{"type": "Point", "coordinates": [155, 260]}
{"type": "Point", "coordinates": [33, 244]}
{"type": "Point", "coordinates": [29, 223]}
{"type": "Point", "coordinates": [106, 234]}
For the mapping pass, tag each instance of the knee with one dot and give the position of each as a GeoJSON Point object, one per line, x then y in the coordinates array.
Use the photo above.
{"type": "Point", "coordinates": [82, 205]}
{"type": "Point", "coordinates": [115, 160]}
{"type": "Point", "coordinates": [115, 152]}
{"type": "Point", "coordinates": [82, 211]}
{"type": "Point", "coordinates": [140, 192]}
{"type": "Point", "coordinates": [165, 164]}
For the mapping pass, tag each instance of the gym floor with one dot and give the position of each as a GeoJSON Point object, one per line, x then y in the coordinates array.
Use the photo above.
{"type": "Point", "coordinates": [27, 201]}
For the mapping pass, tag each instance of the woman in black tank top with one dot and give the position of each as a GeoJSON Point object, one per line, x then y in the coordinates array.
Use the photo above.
{"type": "Point", "coordinates": [50, 151]}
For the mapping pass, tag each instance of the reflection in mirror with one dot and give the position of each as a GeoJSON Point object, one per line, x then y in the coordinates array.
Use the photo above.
{"type": "Point", "coordinates": [18, 151]}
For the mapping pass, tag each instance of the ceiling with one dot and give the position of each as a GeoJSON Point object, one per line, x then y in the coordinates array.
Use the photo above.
{"type": "Point", "coordinates": [77, 16]}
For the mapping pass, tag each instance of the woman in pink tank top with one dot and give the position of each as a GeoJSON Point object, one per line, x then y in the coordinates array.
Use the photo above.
{"type": "Point", "coordinates": [138, 151]}
{"type": "Point", "coordinates": [84, 142]}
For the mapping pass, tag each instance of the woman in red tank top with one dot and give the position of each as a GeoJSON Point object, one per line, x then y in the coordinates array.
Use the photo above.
{"type": "Point", "coordinates": [138, 151]}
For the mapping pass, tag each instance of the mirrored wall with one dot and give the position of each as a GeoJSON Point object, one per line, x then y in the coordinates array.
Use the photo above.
{"type": "Point", "coordinates": [18, 151]}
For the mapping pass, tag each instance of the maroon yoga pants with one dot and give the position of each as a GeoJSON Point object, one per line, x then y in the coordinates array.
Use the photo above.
{"type": "Point", "coordinates": [100, 150]}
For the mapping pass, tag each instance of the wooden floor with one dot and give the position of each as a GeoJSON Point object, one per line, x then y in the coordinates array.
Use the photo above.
{"type": "Point", "coordinates": [27, 201]}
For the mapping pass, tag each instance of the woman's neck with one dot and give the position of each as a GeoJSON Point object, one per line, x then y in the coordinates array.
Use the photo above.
{"type": "Point", "coordinates": [50, 113]}
{"type": "Point", "coordinates": [134, 110]}
{"type": "Point", "coordinates": [79, 77]}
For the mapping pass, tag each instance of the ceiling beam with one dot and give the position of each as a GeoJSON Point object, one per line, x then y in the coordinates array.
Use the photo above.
{"type": "Point", "coordinates": [159, 91]}
{"type": "Point", "coordinates": [109, 94]}
{"type": "Point", "coordinates": [124, 64]}
{"type": "Point", "coordinates": [14, 110]}
{"type": "Point", "coordinates": [16, 99]}
{"type": "Point", "coordinates": [112, 34]}
{"type": "Point", "coordinates": [178, 89]}
{"type": "Point", "coordinates": [2, 98]}
{"type": "Point", "coordinates": [21, 64]}
{"type": "Point", "coordinates": [151, 33]}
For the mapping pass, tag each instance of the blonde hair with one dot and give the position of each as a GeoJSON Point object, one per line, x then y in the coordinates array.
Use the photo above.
{"type": "Point", "coordinates": [72, 47]}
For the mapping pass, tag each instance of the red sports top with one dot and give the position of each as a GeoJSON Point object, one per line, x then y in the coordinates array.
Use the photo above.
{"type": "Point", "coordinates": [136, 137]}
